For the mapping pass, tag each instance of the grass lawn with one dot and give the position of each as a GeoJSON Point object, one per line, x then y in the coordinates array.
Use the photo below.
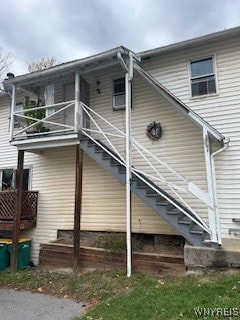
{"type": "Point", "coordinates": [111, 295]}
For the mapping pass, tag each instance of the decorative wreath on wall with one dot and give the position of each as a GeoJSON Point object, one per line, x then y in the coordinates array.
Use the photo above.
{"type": "Point", "coordinates": [154, 131]}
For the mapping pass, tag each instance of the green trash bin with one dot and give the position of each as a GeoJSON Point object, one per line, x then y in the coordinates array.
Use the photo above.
{"type": "Point", "coordinates": [4, 254]}
{"type": "Point", "coordinates": [24, 252]}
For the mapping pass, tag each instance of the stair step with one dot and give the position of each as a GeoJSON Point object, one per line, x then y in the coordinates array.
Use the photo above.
{"type": "Point", "coordinates": [140, 183]}
{"type": "Point", "coordinates": [184, 219]}
{"type": "Point", "coordinates": [141, 186]}
{"type": "Point", "coordinates": [121, 169]}
{"type": "Point", "coordinates": [206, 243]}
{"type": "Point", "coordinates": [91, 143]}
{"type": "Point", "coordinates": [106, 156]}
{"type": "Point", "coordinates": [197, 230]}
{"type": "Point", "coordinates": [171, 209]}
{"type": "Point", "coordinates": [114, 162]}
{"type": "Point", "coordinates": [206, 236]}
{"type": "Point", "coordinates": [173, 212]}
{"type": "Point", "coordinates": [151, 193]}
{"type": "Point", "coordinates": [98, 149]}
{"type": "Point", "coordinates": [163, 203]}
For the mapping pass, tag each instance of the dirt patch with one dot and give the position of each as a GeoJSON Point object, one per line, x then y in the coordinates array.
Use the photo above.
{"type": "Point", "coordinates": [115, 242]}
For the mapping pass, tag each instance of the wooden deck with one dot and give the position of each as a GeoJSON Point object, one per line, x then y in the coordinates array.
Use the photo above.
{"type": "Point", "coordinates": [28, 209]}
{"type": "Point", "coordinates": [61, 256]}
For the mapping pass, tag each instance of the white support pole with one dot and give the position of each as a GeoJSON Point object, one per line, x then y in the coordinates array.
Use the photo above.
{"type": "Point", "coordinates": [13, 104]}
{"type": "Point", "coordinates": [78, 109]}
{"type": "Point", "coordinates": [128, 79]}
{"type": "Point", "coordinates": [210, 183]}
{"type": "Point", "coordinates": [226, 142]}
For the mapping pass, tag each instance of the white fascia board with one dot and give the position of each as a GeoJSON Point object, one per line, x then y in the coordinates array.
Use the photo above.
{"type": "Point", "coordinates": [67, 66]}
{"type": "Point", "coordinates": [40, 143]}
{"type": "Point", "coordinates": [212, 131]}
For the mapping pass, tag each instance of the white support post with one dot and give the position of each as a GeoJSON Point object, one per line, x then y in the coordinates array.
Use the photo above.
{"type": "Point", "coordinates": [211, 211]}
{"type": "Point", "coordinates": [128, 79]}
{"type": "Point", "coordinates": [226, 142]}
{"type": "Point", "coordinates": [13, 104]}
{"type": "Point", "coordinates": [78, 121]}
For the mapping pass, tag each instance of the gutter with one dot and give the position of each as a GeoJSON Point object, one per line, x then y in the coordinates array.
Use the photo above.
{"type": "Point", "coordinates": [68, 66]}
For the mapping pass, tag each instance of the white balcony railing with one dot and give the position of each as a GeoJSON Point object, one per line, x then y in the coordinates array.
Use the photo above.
{"type": "Point", "coordinates": [57, 119]}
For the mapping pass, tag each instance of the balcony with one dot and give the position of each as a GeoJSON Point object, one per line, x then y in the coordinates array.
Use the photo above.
{"type": "Point", "coordinates": [28, 210]}
{"type": "Point", "coordinates": [47, 114]}
{"type": "Point", "coordinates": [44, 126]}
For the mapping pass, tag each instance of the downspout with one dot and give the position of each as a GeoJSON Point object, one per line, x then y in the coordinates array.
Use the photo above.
{"type": "Point", "coordinates": [77, 111]}
{"type": "Point", "coordinates": [215, 198]}
{"type": "Point", "coordinates": [128, 79]}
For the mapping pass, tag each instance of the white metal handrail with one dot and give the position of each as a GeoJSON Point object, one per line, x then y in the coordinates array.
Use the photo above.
{"type": "Point", "coordinates": [104, 134]}
{"type": "Point", "coordinates": [111, 132]}
{"type": "Point", "coordinates": [146, 155]}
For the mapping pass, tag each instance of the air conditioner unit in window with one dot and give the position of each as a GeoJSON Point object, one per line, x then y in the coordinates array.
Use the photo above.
{"type": "Point", "coordinates": [119, 102]}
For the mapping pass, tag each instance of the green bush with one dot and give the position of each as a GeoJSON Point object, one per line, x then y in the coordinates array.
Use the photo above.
{"type": "Point", "coordinates": [36, 114]}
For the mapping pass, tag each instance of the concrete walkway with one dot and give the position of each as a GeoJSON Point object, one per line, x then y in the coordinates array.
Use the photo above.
{"type": "Point", "coordinates": [23, 305]}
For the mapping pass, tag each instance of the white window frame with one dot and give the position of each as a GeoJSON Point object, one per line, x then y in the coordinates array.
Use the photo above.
{"type": "Point", "coordinates": [213, 57]}
{"type": "Point", "coordinates": [49, 98]}
{"type": "Point", "coordinates": [17, 123]}
{"type": "Point", "coordinates": [122, 106]}
{"type": "Point", "coordinates": [14, 169]}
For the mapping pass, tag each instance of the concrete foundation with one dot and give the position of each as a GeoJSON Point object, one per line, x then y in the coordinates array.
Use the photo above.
{"type": "Point", "coordinates": [227, 256]}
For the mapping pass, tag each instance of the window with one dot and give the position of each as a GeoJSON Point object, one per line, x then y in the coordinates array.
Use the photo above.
{"type": "Point", "coordinates": [17, 120]}
{"type": "Point", "coordinates": [49, 99]}
{"type": "Point", "coordinates": [203, 77]}
{"type": "Point", "coordinates": [119, 94]}
{"type": "Point", "coordinates": [8, 179]}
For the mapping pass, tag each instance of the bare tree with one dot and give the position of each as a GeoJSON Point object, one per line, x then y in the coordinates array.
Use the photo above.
{"type": "Point", "coordinates": [5, 63]}
{"type": "Point", "coordinates": [41, 65]}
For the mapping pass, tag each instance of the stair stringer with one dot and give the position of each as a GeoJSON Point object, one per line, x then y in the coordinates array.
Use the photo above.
{"type": "Point", "coordinates": [171, 210]}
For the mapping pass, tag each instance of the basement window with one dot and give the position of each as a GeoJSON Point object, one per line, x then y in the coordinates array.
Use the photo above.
{"type": "Point", "coordinates": [8, 179]}
{"type": "Point", "coordinates": [203, 79]}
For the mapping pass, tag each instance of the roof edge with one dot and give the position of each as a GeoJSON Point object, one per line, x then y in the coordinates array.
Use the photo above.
{"type": "Point", "coordinates": [190, 42]}
{"type": "Point", "coordinates": [68, 65]}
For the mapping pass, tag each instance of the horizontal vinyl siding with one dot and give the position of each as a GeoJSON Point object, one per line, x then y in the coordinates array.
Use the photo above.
{"type": "Point", "coordinates": [104, 204]}
{"type": "Point", "coordinates": [181, 144]}
{"type": "Point", "coordinates": [221, 110]}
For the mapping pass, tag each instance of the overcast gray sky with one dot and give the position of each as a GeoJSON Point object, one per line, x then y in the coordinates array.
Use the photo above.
{"type": "Point", "coordinates": [72, 29]}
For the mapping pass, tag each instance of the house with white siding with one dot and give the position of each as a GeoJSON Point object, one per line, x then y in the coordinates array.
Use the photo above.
{"type": "Point", "coordinates": [145, 143]}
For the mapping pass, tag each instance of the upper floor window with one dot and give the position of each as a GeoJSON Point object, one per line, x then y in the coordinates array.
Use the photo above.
{"type": "Point", "coordinates": [119, 94]}
{"type": "Point", "coordinates": [203, 80]}
{"type": "Point", "coordinates": [17, 120]}
{"type": "Point", "coordinates": [49, 99]}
